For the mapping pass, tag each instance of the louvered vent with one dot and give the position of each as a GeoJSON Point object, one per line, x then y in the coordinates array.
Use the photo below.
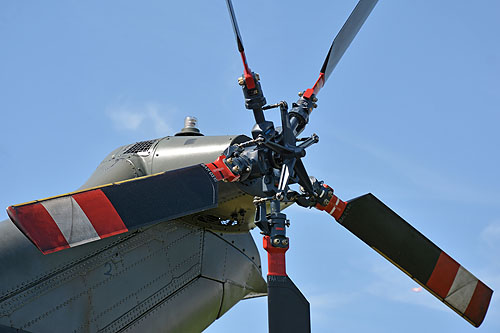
{"type": "Point", "coordinates": [138, 147]}
{"type": "Point", "coordinates": [209, 219]}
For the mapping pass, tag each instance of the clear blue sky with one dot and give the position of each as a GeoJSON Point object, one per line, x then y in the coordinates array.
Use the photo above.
{"type": "Point", "coordinates": [411, 114]}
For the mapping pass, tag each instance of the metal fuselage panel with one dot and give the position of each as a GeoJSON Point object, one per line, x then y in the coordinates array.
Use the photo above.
{"type": "Point", "coordinates": [158, 155]}
{"type": "Point", "coordinates": [172, 277]}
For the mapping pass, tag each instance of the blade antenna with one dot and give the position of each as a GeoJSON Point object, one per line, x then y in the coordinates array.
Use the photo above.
{"type": "Point", "coordinates": [254, 98]}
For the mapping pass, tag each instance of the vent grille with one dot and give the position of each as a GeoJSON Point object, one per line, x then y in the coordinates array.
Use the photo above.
{"type": "Point", "coordinates": [215, 220]}
{"type": "Point", "coordinates": [209, 219]}
{"type": "Point", "coordinates": [138, 147]}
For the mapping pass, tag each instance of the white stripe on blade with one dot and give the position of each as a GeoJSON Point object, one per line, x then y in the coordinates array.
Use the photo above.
{"type": "Point", "coordinates": [71, 220]}
{"type": "Point", "coordinates": [461, 290]}
{"type": "Point", "coordinates": [334, 207]}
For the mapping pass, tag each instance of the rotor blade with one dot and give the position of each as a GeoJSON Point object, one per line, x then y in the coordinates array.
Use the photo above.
{"type": "Point", "coordinates": [404, 246]}
{"type": "Point", "coordinates": [247, 73]}
{"type": "Point", "coordinates": [288, 309]}
{"type": "Point", "coordinates": [341, 42]}
{"type": "Point", "coordinates": [236, 30]}
{"type": "Point", "coordinates": [72, 219]}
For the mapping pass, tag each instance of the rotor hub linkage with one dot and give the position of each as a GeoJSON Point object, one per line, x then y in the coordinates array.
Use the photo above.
{"type": "Point", "coordinates": [299, 114]}
{"type": "Point", "coordinates": [275, 257]}
{"type": "Point", "coordinates": [254, 97]}
{"type": "Point", "coordinates": [273, 227]}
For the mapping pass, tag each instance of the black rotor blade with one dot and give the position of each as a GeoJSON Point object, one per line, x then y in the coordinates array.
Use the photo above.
{"type": "Point", "coordinates": [342, 41]}
{"type": "Point", "coordinates": [236, 30]}
{"type": "Point", "coordinates": [247, 73]}
{"type": "Point", "coordinates": [76, 218]}
{"type": "Point", "coordinates": [346, 35]}
{"type": "Point", "coordinates": [288, 310]}
{"type": "Point", "coordinates": [405, 247]}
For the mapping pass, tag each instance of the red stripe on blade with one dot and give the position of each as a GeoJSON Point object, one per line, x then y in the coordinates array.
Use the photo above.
{"type": "Point", "coordinates": [37, 224]}
{"type": "Point", "coordinates": [476, 310]}
{"type": "Point", "coordinates": [101, 213]}
{"type": "Point", "coordinates": [443, 275]}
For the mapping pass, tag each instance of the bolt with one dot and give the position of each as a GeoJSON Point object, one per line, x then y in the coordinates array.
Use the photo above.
{"type": "Point", "coordinates": [241, 81]}
{"type": "Point", "coordinates": [315, 105]}
{"type": "Point", "coordinates": [315, 99]}
{"type": "Point", "coordinates": [276, 241]}
{"type": "Point", "coordinates": [325, 202]}
{"type": "Point", "coordinates": [301, 93]}
{"type": "Point", "coordinates": [285, 242]}
{"type": "Point", "coordinates": [257, 76]}
{"type": "Point", "coordinates": [247, 169]}
{"type": "Point", "coordinates": [236, 169]}
{"type": "Point", "coordinates": [229, 160]}
{"type": "Point", "coordinates": [330, 194]}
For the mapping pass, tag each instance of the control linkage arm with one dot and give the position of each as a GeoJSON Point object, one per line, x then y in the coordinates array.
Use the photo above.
{"type": "Point", "coordinates": [322, 198]}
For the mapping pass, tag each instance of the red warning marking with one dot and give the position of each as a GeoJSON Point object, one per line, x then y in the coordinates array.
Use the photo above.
{"type": "Point", "coordinates": [100, 213]}
{"type": "Point", "coordinates": [335, 206]}
{"type": "Point", "coordinates": [37, 224]}
{"type": "Point", "coordinates": [317, 86]}
{"type": "Point", "coordinates": [443, 275]}
{"type": "Point", "coordinates": [221, 170]}
{"type": "Point", "coordinates": [275, 258]}
{"type": "Point", "coordinates": [476, 310]}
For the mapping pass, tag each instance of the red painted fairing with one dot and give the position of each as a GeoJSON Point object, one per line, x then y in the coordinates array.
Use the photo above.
{"type": "Point", "coordinates": [275, 258]}
{"type": "Point", "coordinates": [317, 86]}
{"type": "Point", "coordinates": [221, 170]}
{"type": "Point", "coordinates": [247, 73]}
{"type": "Point", "coordinates": [335, 206]}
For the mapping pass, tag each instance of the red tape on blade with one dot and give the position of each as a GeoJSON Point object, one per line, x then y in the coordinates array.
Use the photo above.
{"type": "Point", "coordinates": [101, 213]}
{"type": "Point", "coordinates": [443, 275]}
{"type": "Point", "coordinates": [37, 224]}
{"type": "Point", "coordinates": [476, 310]}
{"type": "Point", "coordinates": [450, 281]}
